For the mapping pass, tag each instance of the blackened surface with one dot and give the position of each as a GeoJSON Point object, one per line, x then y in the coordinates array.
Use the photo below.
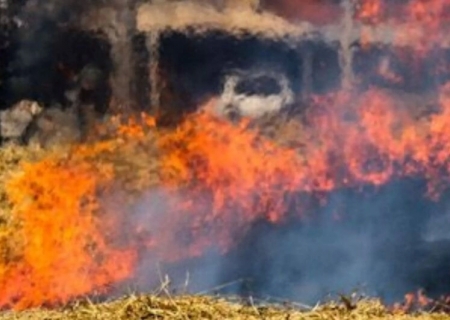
{"type": "Point", "coordinates": [326, 71]}
{"type": "Point", "coordinates": [195, 66]}
{"type": "Point", "coordinates": [141, 89]}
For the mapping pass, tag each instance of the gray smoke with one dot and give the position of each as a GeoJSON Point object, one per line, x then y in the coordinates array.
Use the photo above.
{"type": "Point", "coordinates": [376, 246]}
{"type": "Point", "coordinates": [380, 242]}
{"type": "Point", "coordinates": [151, 214]}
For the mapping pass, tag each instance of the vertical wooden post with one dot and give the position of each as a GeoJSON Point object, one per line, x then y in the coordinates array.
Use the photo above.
{"type": "Point", "coordinates": [152, 42]}
{"type": "Point", "coordinates": [121, 53]}
{"type": "Point", "coordinates": [306, 54]}
{"type": "Point", "coordinates": [346, 52]}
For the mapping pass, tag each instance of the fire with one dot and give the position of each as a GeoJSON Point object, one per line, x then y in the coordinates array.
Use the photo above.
{"type": "Point", "coordinates": [370, 11]}
{"type": "Point", "coordinates": [63, 251]}
{"type": "Point", "coordinates": [414, 11]}
{"type": "Point", "coordinates": [419, 23]}
{"type": "Point", "coordinates": [232, 177]}
{"type": "Point", "coordinates": [215, 178]}
{"type": "Point", "coordinates": [414, 301]}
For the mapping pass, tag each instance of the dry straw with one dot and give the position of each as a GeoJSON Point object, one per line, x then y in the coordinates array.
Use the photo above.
{"type": "Point", "coordinates": [194, 307]}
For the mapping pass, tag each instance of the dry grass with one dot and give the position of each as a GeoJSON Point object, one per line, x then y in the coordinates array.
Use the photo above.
{"type": "Point", "coordinates": [194, 307]}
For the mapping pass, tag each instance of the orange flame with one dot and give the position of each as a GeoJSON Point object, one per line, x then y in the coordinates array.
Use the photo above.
{"type": "Point", "coordinates": [242, 175]}
{"type": "Point", "coordinates": [218, 178]}
{"type": "Point", "coordinates": [414, 301]}
{"type": "Point", "coordinates": [422, 24]}
{"type": "Point", "coordinates": [65, 252]}
{"type": "Point", "coordinates": [370, 11]}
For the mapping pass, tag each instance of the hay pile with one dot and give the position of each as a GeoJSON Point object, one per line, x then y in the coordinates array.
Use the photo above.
{"type": "Point", "coordinates": [194, 307]}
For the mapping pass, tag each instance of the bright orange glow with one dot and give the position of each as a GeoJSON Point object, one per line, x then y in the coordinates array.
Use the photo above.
{"type": "Point", "coordinates": [216, 178]}
{"type": "Point", "coordinates": [230, 176]}
{"type": "Point", "coordinates": [371, 11]}
{"type": "Point", "coordinates": [422, 24]}
{"type": "Point", "coordinates": [64, 252]}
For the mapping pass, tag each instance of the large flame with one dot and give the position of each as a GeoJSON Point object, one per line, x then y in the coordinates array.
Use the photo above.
{"type": "Point", "coordinates": [223, 177]}
{"type": "Point", "coordinates": [215, 177]}
{"type": "Point", "coordinates": [421, 24]}
{"type": "Point", "coordinates": [63, 249]}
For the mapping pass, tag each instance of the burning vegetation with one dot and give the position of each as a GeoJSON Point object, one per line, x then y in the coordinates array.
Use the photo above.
{"type": "Point", "coordinates": [301, 148]}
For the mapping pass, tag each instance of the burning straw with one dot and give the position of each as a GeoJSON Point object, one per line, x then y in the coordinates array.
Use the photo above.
{"type": "Point", "coordinates": [56, 247]}
{"type": "Point", "coordinates": [191, 307]}
{"type": "Point", "coordinates": [72, 228]}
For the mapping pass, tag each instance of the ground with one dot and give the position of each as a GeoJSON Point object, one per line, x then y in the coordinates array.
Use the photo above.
{"type": "Point", "coordinates": [193, 307]}
{"type": "Point", "coordinates": [137, 172]}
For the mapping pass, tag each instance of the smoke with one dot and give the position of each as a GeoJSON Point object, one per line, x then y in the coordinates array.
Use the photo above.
{"type": "Point", "coordinates": [376, 241]}
{"type": "Point", "coordinates": [357, 243]}
{"type": "Point", "coordinates": [383, 241]}
{"type": "Point", "coordinates": [151, 213]}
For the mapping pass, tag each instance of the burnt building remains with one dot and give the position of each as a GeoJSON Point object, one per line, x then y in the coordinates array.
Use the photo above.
{"type": "Point", "coordinates": [166, 57]}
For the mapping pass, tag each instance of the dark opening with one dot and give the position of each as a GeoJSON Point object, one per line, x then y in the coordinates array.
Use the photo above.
{"type": "Point", "coordinates": [42, 68]}
{"type": "Point", "coordinates": [262, 86]}
{"type": "Point", "coordinates": [8, 34]}
{"type": "Point", "coordinates": [326, 71]}
{"type": "Point", "coordinates": [75, 49]}
{"type": "Point", "coordinates": [194, 66]}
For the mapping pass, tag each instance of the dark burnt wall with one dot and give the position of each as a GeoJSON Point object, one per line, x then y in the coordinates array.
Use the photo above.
{"type": "Point", "coordinates": [45, 75]}
{"type": "Point", "coordinates": [326, 72]}
{"type": "Point", "coordinates": [39, 49]}
{"type": "Point", "coordinates": [8, 45]}
{"type": "Point", "coordinates": [192, 67]}
{"type": "Point", "coordinates": [75, 49]}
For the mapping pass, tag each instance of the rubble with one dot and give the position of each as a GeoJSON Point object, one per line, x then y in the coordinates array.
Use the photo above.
{"type": "Point", "coordinates": [15, 121]}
